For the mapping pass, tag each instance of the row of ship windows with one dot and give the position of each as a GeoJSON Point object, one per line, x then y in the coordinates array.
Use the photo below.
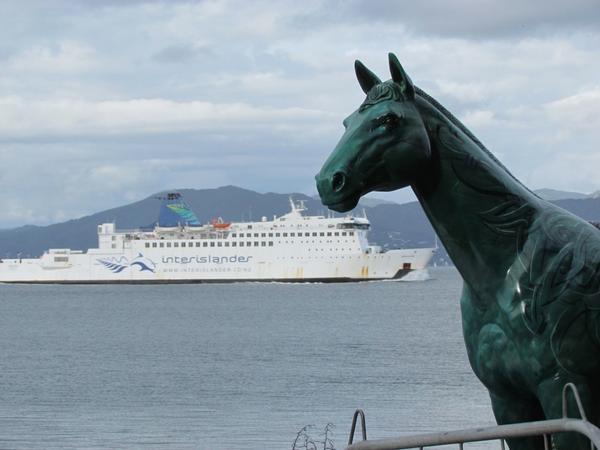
{"type": "Point", "coordinates": [298, 234]}
{"type": "Point", "coordinates": [223, 244]}
{"type": "Point", "coordinates": [241, 235]}
{"type": "Point", "coordinates": [209, 244]}
{"type": "Point", "coordinates": [320, 257]}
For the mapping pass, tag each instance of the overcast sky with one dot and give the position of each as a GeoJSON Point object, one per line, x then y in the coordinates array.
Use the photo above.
{"type": "Point", "coordinates": [103, 103]}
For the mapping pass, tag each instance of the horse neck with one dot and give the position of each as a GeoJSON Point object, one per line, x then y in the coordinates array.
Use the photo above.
{"type": "Point", "coordinates": [475, 205]}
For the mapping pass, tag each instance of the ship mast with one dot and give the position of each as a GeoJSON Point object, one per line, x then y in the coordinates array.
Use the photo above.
{"type": "Point", "coordinates": [298, 206]}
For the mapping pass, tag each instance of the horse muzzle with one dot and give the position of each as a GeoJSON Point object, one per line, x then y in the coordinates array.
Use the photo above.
{"type": "Point", "coordinates": [333, 190]}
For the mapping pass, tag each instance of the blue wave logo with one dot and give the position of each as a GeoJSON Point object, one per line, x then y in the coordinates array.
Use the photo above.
{"type": "Point", "coordinates": [119, 265]}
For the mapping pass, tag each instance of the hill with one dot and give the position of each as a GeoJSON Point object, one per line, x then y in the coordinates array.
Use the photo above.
{"type": "Point", "coordinates": [553, 195]}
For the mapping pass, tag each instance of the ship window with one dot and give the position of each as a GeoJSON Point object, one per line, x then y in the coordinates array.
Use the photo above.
{"type": "Point", "coordinates": [234, 244]}
{"type": "Point", "coordinates": [337, 233]}
{"type": "Point", "coordinates": [255, 234]}
{"type": "Point", "coordinates": [351, 233]}
{"type": "Point", "coordinates": [62, 259]}
{"type": "Point", "coordinates": [270, 243]}
{"type": "Point", "coordinates": [263, 244]}
{"type": "Point", "coordinates": [249, 227]}
{"type": "Point", "coordinates": [321, 234]}
{"type": "Point", "coordinates": [226, 244]}
{"type": "Point", "coordinates": [114, 238]}
{"type": "Point", "coordinates": [161, 245]}
{"type": "Point", "coordinates": [270, 234]}
{"type": "Point", "coordinates": [329, 233]}
{"type": "Point", "coordinates": [248, 244]}
{"type": "Point", "coordinates": [175, 244]}
{"type": "Point", "coordinates": [212, 244]}
{"type": "Point", "coordinates": [168, 244]}
{"type": "Point", "coordinates": [314, 233]}
{"type": "Point", "coordinates": [256, 243]}
{"type": "Point", "coordinates": [344, 233]}
{"type": "Point", "coordinates": [241, 244]}
{"type": "Point", "coordinates": [219, 244]}
{"type": "Point", "coordinates": [292, 234]}
{"type": "Point", "coordinates": [263, 234]}
{"type": "Point", "coordinates": [233, 235]}
{"type": "Point", "coordinates": [99, 229]}
{"type": "Point", "coordinates": [114, 246]}
{"type": "Point", "coordinates": [183, 244]}
{"type": "Point", "coordinates": [284, 234]}
{"type": "Point", "coordinates": [147, 244]}
{"type": "Point", "coordinates": [154, 244]}
{"type": "Point", "coordinates": [306, 234]}
{"type": "Point", "coordinates": [198, 244]}
{"type": "Point", "coordinates": [205, 244]}
{"type": "Point", "coordinates": [277, 234]}
{"type": "Point", "coordinates": [190, 244]}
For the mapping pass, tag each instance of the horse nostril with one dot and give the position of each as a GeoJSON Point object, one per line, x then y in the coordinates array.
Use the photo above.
{"type": "Point", "coordinates": [338, 180]}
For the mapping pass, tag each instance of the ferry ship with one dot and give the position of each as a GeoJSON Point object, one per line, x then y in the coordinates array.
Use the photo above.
{"type": "Point", "coordinates": [179, 249]}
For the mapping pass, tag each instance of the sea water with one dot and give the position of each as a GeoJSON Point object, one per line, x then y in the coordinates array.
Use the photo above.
{"type": "Point", "coordinates": [231, 366]}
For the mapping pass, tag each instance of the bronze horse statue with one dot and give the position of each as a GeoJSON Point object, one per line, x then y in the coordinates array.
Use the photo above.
{"type": "Point", "coordinates": [531, 297]}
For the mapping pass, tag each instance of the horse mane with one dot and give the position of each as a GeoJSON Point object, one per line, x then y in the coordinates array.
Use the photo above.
{"type": "Point", "coordinates": [457, 123]}
{"type": "Point", "coordinates": [390, 90]}
{"type": "Point", "coordinates": [381, 92]}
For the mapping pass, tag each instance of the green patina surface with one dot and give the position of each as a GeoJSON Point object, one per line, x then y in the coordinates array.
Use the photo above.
{"type": "Point", "coordinates": [531, 298]}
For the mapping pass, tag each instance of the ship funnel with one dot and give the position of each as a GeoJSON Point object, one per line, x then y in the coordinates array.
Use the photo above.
{"type": "Point", "coordinates": [174, 212]}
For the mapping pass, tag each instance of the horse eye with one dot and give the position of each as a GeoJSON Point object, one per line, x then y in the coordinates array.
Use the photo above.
{"type": "Point", "coordinates": [390, 119]}
{"type": "Point", "coordinates": [387, 120]}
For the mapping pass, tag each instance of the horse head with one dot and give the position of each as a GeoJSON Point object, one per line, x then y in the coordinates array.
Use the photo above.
{"type": "Point", "coordinates": [385, 145]}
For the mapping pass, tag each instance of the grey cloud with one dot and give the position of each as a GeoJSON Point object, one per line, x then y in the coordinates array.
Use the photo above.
{"type": "Point", "coordinates": [181, 53]}
{"type": "Point", "coordinates": [465, 18]}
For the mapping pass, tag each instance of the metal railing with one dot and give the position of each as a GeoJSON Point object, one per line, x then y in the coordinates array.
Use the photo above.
{"type": "Point", "coordinates": [543, 428]}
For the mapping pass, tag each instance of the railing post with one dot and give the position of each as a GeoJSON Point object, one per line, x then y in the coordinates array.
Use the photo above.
{"type": "Point", "coordinates": [565, 401]}
{"type": "Point", "coordinates": [358, 412]}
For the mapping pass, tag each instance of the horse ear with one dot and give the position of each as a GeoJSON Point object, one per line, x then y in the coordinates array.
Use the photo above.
{"type": "Point", "coordinates": [366, 78]}
{"type": "Point", "coordinates": [401, 78]}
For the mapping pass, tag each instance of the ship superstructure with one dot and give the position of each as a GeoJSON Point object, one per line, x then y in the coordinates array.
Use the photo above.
{"type": "Point", "coordinates": [293, 247]}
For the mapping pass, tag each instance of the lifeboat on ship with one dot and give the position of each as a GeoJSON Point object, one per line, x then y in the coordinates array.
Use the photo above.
{"type": "Point", "coordinates": [219, 223]}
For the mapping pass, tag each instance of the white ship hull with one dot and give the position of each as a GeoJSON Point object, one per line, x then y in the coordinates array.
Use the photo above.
{"type": "Point", "coordinates": [85, 268]}
{"type": "Point", "coordinates": [292, 248]}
